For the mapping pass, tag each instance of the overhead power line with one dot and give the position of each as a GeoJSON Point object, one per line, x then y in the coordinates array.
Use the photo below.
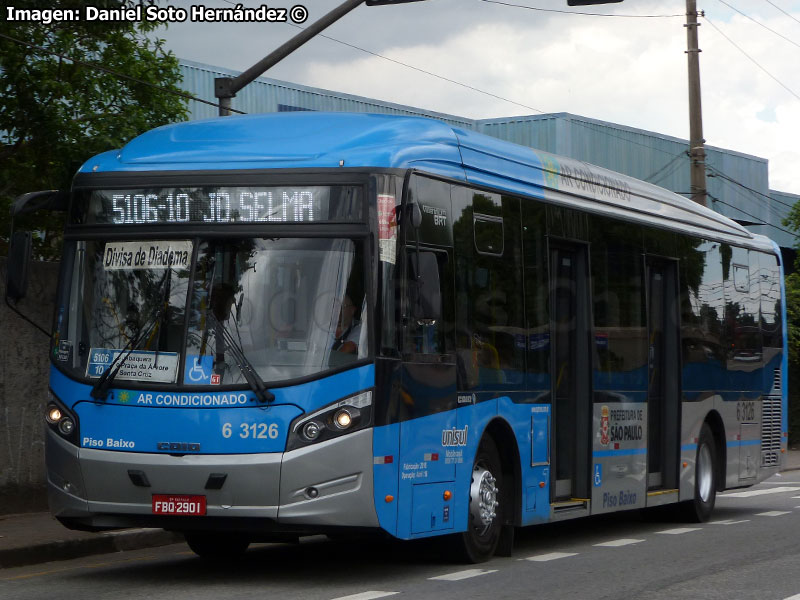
{"type": "Point", "coordinates": [442, 77]}
{"type": "Point", "coordinates": [758, 219]}
{"type": "Point", "coordinates": [586, 14]}
{"type": "Point", "coordinates": [751, 59]}
{"type": "Point", "coordinates": [788, 14]}
{"type": "Point", "coordinates": [717, 173]}
{"type": "Point", "coordinates": [759, 23]}
{"type": "Point", "coordinates": [89, 65]}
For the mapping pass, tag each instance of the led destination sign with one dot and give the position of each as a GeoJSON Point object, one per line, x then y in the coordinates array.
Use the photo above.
{"type": "Point", "coordinates": [212, 205]}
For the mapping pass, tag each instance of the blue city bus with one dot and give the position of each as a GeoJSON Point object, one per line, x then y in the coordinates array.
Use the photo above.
{"type": "Point", "coordinates": [270, 326]}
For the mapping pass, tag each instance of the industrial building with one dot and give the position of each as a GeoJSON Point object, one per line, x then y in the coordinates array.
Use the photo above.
{"type": "Point", "coordinates": [738, 184]}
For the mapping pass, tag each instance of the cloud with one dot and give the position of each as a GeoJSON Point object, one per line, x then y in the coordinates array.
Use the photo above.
{"type": "Point", "coordinates": [628, 71]}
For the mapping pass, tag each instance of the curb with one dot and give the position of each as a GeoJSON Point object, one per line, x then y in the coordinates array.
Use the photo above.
{"type": "Point", "coordinates": [102, 543]}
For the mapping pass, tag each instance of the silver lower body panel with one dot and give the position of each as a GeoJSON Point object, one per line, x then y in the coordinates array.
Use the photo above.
{"type": "Point", "coordinates": [326, 485]}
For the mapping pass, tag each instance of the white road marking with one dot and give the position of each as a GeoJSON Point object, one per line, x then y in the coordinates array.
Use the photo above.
{"type": "Point", "coordinates": [618, 543]}
{"type": "Point", "coordinates": [729, 522]}
{"type": "Point", "coordinates": [751, 493]}
{"type": "Point", "coordinates": [550, 556]}
{"type": "Point", "coordinates": [774, 513]}
{"type": "Point", "coordinates": [795, 597]}
{"type": "Point", "coordinates": [679, 530]}
{"type": "Point", "coordinates": [458, 576]}
{"type": "Point", "coordinates": [367, 596]}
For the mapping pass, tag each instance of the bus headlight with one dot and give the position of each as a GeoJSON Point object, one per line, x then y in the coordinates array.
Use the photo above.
{"type": "Point", "coordinates": [61, 420]}
{"type": "Point", "coordinates": [339, 418]}
{"type": "Point", "coordinates": [345, 417]}
{"type": "Point", "coordinates": [53, 415]}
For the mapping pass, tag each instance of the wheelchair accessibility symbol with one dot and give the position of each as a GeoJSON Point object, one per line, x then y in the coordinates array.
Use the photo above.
{"type": "Point", "coordinates": [598, 475]}
{"type": "Point", "coordinates": [199, 370]}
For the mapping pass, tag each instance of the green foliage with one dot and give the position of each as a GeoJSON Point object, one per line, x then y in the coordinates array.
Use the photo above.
{"type": "Point", "coordinates": [55, 113]}
{"type": "Point", "coordinates": [793, 318]}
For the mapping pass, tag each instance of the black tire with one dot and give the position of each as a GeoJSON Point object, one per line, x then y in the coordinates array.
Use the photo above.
{"type": "Point", "coordinates": [698, 510]}
{"type": "Point", "coordinates": [479, 542]}
{"type": "Point", "coordinates": [217, 546]}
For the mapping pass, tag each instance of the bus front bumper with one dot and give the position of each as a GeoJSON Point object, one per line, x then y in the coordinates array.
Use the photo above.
{"type": "Point", "coordinates": [323, 486]}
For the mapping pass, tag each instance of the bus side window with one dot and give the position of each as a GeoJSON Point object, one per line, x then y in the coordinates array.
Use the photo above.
{"type": "Point", "coordinates": [427, 296]}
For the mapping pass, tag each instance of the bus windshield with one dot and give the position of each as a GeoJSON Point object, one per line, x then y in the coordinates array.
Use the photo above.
{"type": "Point", "coordinates": [191, 311]}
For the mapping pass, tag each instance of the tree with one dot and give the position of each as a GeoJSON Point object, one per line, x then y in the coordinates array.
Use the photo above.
{"type": "Point", "coordinates": [71, 89]}
{"type": "Point", "coordinates": [793, 321]}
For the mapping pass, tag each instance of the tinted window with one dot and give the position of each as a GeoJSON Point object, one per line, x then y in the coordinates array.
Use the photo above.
{"type": "Point", "coordinates": [489, 235]}
{"type": "Point", "coordinates": [742, 335]}
{"type": "Point", "coordinates": [537, 314]}
{"type": "Point", "coordinates": [489, 334]}
{"type": "Point", "coordinates": [424, 335]}
{"type": "Point", "coordinates": [771, 311]}
{"type": "Point", "coordinates": [620, 336]}
{"type": "Point", "coordinates": [703, 308]}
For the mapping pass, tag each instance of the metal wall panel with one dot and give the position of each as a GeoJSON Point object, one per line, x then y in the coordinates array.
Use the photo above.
{"type": "Point", "coordinates": [265, 95]}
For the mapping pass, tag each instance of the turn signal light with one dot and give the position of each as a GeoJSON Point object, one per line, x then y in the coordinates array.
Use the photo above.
{"type": "Point", "coordinates": [448, 494]}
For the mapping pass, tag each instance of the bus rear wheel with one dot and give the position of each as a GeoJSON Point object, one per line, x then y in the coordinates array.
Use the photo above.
{"type": "Point", "coordinates": [486, 507]}
{"type": "Point", "coordinates": [698, 510]}
{"type": "Point", "coordinates": [216, 546]}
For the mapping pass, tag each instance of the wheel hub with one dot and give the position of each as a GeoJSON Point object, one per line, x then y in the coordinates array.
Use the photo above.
{"type": "Point", "coordinates": [483, 499]}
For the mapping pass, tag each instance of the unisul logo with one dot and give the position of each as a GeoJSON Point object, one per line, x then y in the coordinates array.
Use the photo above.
{"type": "Point", "coordinates": [454, 437]}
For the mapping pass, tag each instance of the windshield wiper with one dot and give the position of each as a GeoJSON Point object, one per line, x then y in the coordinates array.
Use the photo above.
{"type": "Point", "coordinates": [100, 389]}
{"type": "Point", "coordinates": [242, 362]}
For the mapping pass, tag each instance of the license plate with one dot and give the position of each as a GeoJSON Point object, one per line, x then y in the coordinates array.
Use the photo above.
{"type": "Point", "coordinates": [169, 504]}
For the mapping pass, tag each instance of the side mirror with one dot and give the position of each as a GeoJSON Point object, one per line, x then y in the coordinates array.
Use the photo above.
{"type": "Point", "coordinates": [427, 307]}
{"type": "Point", "coordinates": [19, 258]}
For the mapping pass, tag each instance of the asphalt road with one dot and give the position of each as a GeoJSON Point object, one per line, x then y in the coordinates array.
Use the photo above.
{"type": "Point", "coordinates": [750, 549]}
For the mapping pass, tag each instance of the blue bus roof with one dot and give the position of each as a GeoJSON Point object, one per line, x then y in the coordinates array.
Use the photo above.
{"type": "Point", "coordinates": [317, 140]}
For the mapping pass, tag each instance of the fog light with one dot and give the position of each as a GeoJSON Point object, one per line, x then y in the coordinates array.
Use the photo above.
{"type": "Point", "coordinates": [66, 426]}
{"type": "Point", "coordinates": [343, 419]}
{"type": "Point", "coordinates": [311, 430]}
{"type": "Point", "coordinates": [53, 414]}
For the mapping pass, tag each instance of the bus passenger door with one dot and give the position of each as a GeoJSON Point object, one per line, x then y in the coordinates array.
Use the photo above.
{"type": "Point", "coordinates": [428, 397]}
{"type": "Point", "coordinates": [663, 390]}
{"type": "Point", "coordinates": [570, 334]}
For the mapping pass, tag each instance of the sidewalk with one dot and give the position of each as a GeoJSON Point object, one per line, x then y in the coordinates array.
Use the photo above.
{"type": "Point", "coordinates": [34, 538]}
{"type": "Point", "coordinates": [38, 538]}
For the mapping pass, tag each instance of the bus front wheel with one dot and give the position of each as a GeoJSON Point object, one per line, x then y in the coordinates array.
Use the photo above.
{"type": "Point", "coordinates": [216, 546]}
{"type": "Point", "coordinates": [486, 509]}
{"type": "Point", "coordinates": [698, 510]}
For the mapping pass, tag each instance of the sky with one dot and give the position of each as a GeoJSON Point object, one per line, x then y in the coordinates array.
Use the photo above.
{"type": "Point", "coordinates": [629, 69]}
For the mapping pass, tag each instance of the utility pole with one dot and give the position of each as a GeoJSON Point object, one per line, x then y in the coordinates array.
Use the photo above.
{"type": "Point", "coordinates": [697, 151]}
